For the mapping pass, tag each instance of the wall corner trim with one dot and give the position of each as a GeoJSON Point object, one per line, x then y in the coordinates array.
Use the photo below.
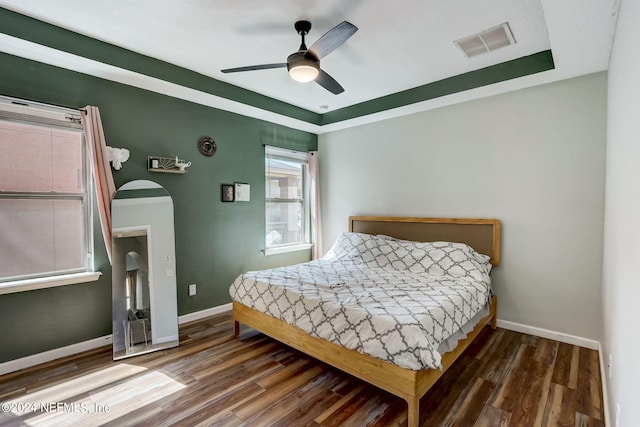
{"type": "Point", "coordinates": [604, 379]}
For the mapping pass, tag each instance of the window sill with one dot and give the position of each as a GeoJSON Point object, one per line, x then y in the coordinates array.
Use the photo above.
{"type": "Point", "coordinates": [48, 282]}
{"type": "Point", "coordinates": [284, 249]}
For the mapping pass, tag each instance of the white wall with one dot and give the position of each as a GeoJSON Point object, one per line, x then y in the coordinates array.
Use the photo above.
{"type": "Point", "coordinates": [533, 159]}
{"type": "Point", "coordinates": [621, 287]}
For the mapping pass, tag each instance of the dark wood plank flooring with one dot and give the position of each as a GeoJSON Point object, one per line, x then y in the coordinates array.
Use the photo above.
{"type": "Point", "coordinates": [504, 378]}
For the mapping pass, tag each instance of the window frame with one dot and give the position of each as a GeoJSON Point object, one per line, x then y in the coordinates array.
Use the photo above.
{"type": "Point", "coordinates": [37, 114]}
{"type": "Point", "coordinates": [303, 158]}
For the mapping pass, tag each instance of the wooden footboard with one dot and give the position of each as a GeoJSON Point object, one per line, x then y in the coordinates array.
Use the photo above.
{"type": "Point", "coordinates": [405, 383]}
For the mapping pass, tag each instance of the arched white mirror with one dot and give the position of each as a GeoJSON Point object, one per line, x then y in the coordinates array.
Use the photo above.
{"type": "Point", "coordinates": [145, 311]}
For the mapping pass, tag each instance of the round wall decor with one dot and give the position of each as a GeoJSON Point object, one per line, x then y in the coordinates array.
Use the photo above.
{"type": "Point", "coordinates": [207, 146]}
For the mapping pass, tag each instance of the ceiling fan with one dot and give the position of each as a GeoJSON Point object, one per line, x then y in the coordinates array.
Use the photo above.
{"type": "Point", "coordinates": [304, 65]}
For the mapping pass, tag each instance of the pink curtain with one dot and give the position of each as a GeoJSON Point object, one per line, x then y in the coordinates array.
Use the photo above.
{"type": "Point", "coordinates": [316, 223]}
{"type": "Point", "coordinates": [102, 177]}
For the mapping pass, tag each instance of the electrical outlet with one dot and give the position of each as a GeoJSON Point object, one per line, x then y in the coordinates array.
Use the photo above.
{"type": "Point", "coordinates": [610, 365]}
{"type": "Point", "coordinates": [192, 289]}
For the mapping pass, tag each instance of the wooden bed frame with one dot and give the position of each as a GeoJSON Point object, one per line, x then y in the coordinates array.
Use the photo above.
{"type": "Point", "coordinates": [481, 234]}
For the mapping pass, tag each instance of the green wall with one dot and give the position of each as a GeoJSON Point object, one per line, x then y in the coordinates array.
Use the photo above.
{"type": "Point", "coordinates": [215, 241]}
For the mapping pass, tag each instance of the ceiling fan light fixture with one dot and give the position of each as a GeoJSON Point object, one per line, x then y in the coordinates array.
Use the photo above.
{"type": "Point", "coordinates": [303, 73]}
{"type": "Point", "coordinates": [302, 68]}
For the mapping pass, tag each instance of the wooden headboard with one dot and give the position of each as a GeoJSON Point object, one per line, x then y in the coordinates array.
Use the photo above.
{"type": "Point", "coordinates": [483, 235]}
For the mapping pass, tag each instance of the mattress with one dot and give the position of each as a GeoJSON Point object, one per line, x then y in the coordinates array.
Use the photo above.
{"type": "Point", "coordinates": [399, 301]}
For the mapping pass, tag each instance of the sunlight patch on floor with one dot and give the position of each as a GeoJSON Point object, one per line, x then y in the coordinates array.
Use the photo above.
{"type": "Point", "coordinates": [74, 387]}
{"type": "Point", "coordinates": [88, 400]}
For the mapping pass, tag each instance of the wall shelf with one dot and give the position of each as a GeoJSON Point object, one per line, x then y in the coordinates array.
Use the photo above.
{"type": "Point", "coordinates": [178, 171]}
{"type": "Point", "coordinates": [165, 165]}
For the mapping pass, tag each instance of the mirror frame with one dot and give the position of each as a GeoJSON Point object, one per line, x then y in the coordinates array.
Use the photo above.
{"type": "Point", "coordinates": [140, 209]}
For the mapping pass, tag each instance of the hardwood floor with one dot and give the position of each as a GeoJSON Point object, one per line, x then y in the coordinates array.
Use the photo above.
{"type": "Point", "coordinates": [503, 379]}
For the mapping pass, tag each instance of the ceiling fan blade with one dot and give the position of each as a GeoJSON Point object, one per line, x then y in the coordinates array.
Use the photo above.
{"type": "Point", "coordinates": [332, 39]}
{"type": "Point", "coordinates": [255, 67]}
{"type": "Point", "coordinates": [329, 83]}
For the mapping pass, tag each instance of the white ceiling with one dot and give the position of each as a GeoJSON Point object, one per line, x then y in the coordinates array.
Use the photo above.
{"type": "Point", "coordinates": [399, 45]}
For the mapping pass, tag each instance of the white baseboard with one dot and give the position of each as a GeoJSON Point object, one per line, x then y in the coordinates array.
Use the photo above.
{"type": "Point", "coordinates": [552, 335]}
{"type": "Point", "coordinates": [604, 379]}
{"type": "Point", "coordinates": [56, 353]}
{"type": "Point", "coordinates": [197, 315]}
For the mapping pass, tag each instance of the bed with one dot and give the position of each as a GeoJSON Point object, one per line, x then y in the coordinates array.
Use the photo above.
{"type": "Point", "coordinates": [407, 370]}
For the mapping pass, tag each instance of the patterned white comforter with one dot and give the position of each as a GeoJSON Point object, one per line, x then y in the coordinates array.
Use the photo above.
{"type": "Point", "coordinates": [391, 299]}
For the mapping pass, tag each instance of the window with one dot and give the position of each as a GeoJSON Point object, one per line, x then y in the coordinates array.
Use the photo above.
{"type": "Point", "coordinates": [287, 200]}
{"type": "Point", "coordinates": [45, 205]}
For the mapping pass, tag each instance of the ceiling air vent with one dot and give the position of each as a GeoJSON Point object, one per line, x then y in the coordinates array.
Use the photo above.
{"type": "Point", "coordinates": [486, 41]}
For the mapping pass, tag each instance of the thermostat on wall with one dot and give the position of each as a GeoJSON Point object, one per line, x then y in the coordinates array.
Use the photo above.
{"type": "Point", "coordinates": [242, 192]}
